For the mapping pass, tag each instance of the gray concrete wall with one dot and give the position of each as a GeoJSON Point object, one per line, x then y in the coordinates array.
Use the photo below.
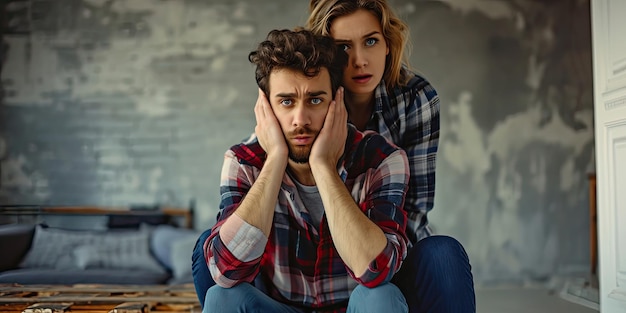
{"type": "Point", "coordinates": [134, 102]}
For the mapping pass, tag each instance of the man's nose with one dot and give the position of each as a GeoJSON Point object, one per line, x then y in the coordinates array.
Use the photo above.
{"type": "Point", "coordinates": [301, 116]}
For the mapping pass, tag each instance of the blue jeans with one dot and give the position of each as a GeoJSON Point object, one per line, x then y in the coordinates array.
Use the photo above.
{"type": "Point", "coordinates": [247, 298]}
{"type": "Point", "coordinates": [435, 276]}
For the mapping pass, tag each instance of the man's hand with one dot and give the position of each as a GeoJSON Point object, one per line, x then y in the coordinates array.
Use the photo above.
{"type": "Point", "coordinates": [331, 141]}
{"type": "Point", "coordinates": [268, 130]}
{"type": "Point", "coordinates": [257, 207]}
{"type": "Point", "coordinates": [357, 238]}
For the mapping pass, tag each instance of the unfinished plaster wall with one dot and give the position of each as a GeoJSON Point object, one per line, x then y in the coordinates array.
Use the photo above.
{"type": "Point", "coordinates": [134, 102]}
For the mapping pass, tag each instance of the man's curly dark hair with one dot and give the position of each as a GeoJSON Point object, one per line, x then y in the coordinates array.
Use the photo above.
{"type": "Point", "coordinates": [299, 50]}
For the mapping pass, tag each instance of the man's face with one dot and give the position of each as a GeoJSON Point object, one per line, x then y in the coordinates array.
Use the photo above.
{"type": "Point", "coordinates": [300, 104]}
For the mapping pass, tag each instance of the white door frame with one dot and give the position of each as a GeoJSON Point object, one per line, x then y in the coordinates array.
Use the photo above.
{"type": "Point", "coordinates": [609, 61]}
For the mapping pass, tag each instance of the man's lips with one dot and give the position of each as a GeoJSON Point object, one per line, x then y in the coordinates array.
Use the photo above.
{"type": "Point", "coordinates": [302, 140]}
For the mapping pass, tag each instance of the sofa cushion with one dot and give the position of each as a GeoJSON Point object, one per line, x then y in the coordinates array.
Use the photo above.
{"type": "Point", "coordinates": [164, 238]}
{"type": "Point", "coordinates": [173, 248]}
{"type": "Point", "coordinates": [180, 257]}
{"type": "Point", "coordinates": [89, 276]}
{"type": "Point", "coordinates": [132, 252]}
{"type": "Point", "coordinates": [68, 249]}
{"type": "Point", "coordinates": [15, 240]}
{"type": "Point", "coordinates": [52, 248]}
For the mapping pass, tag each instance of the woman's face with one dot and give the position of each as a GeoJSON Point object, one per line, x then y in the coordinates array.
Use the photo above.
{"type": "Point", "coordinates": [361, 36]}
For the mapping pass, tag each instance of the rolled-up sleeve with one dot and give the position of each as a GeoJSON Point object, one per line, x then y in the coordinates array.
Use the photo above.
{"type": "Point", "coordinates": [234, 249]}
{"type": "Point", "coordinates": [384, 206]}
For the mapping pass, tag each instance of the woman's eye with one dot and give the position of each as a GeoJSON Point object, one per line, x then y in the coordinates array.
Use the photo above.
{"type": "Point", "coordinates": [316, 101]}
{"type": "Point", "coordinates": [343, 47]}
{"type": "Point", "coordinates": [371, 41]}
{"type": "Point", "coordinates": [285, 102]}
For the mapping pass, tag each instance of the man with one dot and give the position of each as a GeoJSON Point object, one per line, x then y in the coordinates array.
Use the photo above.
{"type": "Point", "coordinates": [311, 209]}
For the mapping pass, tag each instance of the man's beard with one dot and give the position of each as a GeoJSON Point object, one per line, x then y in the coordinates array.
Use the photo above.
{"type": "Point", "coordinates": [300, 154]}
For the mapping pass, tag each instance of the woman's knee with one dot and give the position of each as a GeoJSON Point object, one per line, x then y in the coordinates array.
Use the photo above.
{"type": "Point", "coordinates": [441, 263]}
{"type": "Point", "coordinates": [436, 249]}
{"type": "Point", "coordinates": [198, 249]}
{"type": "Point", "coordinates": [198, 262]}
{"type": "Point", "coordinates": [436, 270]}
{"type": "Point", "coordinates": [200, 272]}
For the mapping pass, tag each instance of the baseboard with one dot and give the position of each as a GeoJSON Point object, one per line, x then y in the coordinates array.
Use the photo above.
{"type": "Point", "coordinates": [581, 291]}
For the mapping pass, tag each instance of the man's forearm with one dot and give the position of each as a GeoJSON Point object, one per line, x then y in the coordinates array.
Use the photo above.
{"type": "Point", "coordinates": [257, 208]}
{"type": "Point", "coordinates": [357, 239]}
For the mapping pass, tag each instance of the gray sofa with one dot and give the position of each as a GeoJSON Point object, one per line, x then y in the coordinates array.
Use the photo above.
{"type": "Point", "coordinates": [34, 254]}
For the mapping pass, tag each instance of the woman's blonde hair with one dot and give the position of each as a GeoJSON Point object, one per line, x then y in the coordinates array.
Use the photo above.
{"type": "Point", "coordinates": [323, 12]}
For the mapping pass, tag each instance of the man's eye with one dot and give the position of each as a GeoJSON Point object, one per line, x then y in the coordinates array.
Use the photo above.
{"type": "Point", "coordinates": [316, 101]}
{"type": "Point", "coordinates": [371, 41]}
{"type": "Point", "coordinates": [286, 102]}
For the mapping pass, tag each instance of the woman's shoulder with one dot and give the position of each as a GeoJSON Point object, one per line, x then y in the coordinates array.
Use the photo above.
{"type": "Point", "coordinates": [416, 82]}
{"type": "Point", "coordinates": [416, 89]}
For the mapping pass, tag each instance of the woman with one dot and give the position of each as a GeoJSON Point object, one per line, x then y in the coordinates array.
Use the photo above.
{"type": "Point", "coordinates": [382, 94]}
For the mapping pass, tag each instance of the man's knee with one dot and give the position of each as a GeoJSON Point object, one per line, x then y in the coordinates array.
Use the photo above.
{"type": "Point", "coordinates": [215, 295]}
{"type": "Point", "coordinates": [384, 298]}
{"type": "Point", "coordinates": [218, 298]}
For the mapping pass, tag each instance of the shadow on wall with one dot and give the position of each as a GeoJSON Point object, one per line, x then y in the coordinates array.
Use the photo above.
{"type": "Point", "coordinates": [4, 47]}
{"type": "Point", "coordinates": [517, 131]}
{"type": "Point", "coordinates": [13, 17]}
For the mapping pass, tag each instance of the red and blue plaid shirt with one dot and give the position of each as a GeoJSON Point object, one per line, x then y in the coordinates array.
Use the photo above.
{"type": "Point", "coordinates": [298, 262]}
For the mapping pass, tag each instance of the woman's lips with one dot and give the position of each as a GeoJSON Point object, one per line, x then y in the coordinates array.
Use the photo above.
{"type": "Point", "coordinates": [362, 79]}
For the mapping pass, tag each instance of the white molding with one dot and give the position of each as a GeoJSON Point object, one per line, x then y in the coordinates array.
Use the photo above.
{"type": "Point", "coordinates": [609, 216]}
{"type": "Point", "coordinates": [618, 294]}
{"type": "Point", "coordinates": [619, 67]}
{"type": "Point", "coordinates": [617, 158]}
{"type": "Point", "coordinates": [621, 278]}
{"type": "Point", "coordinates": [616, 103]}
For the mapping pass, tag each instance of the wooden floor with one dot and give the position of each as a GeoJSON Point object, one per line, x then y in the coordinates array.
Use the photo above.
{"type": "Point", "coordinates": [98, 298]}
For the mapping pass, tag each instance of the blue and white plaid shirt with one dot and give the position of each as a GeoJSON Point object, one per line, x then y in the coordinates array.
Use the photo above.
{"type": "Point", "coordinates": [409, 117]}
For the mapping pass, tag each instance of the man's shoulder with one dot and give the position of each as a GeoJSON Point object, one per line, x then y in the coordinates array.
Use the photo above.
{"type": "Point", "coordinates": [368, 148]}
{"type": "Point", "coordinates": [249, 152]}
